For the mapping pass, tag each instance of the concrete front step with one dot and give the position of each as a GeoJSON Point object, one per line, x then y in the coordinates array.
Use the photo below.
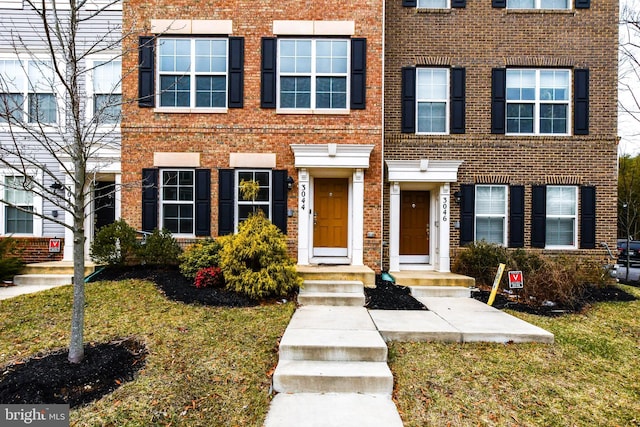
{"type": "Point", "coordinates": [332, 345]}
{"type": "Point", "coordinates": [57, 267]}
{"type": "Point", "coordinates": [333, 286]}
{"type": "Point", "coordinates": [300, 376]}
{"type": "Point", "coordinates": [332, 409]}
{"type": "Point", "coordinates": [331, 298]}
{"type": "Point", "coordinates": [43, 279]}
{"type": "Point", "coordinates": [440, 291]}
{"type": "Point", "coordinates": [432, 278]}
{"type": "Point", "coordinates": [338, 272]}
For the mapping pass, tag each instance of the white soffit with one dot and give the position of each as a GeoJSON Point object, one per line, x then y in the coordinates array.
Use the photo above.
{"type": "Point", "coordinates": [423, 170]}
{"type": "Point", "coordinates": [350, 156]}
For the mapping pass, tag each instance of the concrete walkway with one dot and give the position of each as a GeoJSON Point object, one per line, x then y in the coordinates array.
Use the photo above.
{"type": "Point", "coordinates": [7, 292]}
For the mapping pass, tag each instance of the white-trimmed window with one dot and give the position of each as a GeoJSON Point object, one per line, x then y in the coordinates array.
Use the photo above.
{"type": "Point", "coordinates": [192, 73]}
{"type": "Point", "coordinates": [538, 4]}
{"type": "Point", "coordinates": [491, 214]}
{"type": "Point", "coordinates": [15, 215]}
{"type": "Point", "coordinates": [27, 91]}
{"type": "Point", "coordinates": [562, 217]}
{"type": "Point", "coordinates": [313, 74]}
{"type": "Point", "coordinates": [104, 91]}
{"type": "Point", "coordinates": [261, 202]}
{"type": "Point", "coordinates": [433, 4]}
{"type": "Point", "coordinates": [177, 200]}
{"type": "Point", "coordinates": [432, 97]}
{"type": "Point", "coordinates": [538, 101]}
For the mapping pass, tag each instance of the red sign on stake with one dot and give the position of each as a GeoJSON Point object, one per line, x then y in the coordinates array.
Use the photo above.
{"type": "Point", "coordinates": [54, 245]}
{"type": "Point", "coordinates": [516, 280]}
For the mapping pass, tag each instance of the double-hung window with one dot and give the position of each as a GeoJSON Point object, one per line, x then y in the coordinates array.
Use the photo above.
{"type": "Point", "coordinates": [538, 4]}
{"type": "Point", "coordinates": [192, 73]}
{"type": "Point", "coordinates": [261, 201]}
{"type": "Point", "coordinates": [27, 91]}
{"type": "Point", "coordinates": [433, 4]}
{"type": "Point", "coordinates": [177, 201]}
{"type": "Point", "coordinates": [562, 220]}
{"type": "Point", "coordinates": [491, 214]}
{"type": "Point", "coordinates": [18, 218]}
{"type": "Point", "coordinates": [313, 74]}
{"type": "Point", "coordinates": [537, 101]}
{"type": "Point", "coordinates": [106, 91]}
{"type": "Point", "coordinates": [432, 96]}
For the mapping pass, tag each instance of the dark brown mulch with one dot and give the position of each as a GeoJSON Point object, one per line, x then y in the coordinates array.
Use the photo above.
{"type": "Point", "coordinates": [388, 296]}
{"type": "Point", "coordinates": [592, 294]}
{"type": "Point", "coordinates": [51, 379]}
{"type": "Point", "coordinates": [175, 286]}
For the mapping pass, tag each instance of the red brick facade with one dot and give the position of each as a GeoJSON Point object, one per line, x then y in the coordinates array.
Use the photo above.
{"type": "Point", "coordinates": [36, 249]}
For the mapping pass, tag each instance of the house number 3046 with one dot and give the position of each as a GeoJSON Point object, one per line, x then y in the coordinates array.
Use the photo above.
{"type": "Point", "coordinates": [445, 206]}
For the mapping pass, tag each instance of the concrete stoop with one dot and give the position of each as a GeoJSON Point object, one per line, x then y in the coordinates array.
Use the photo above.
{"type": "Point", "coordinates": [332, 293]}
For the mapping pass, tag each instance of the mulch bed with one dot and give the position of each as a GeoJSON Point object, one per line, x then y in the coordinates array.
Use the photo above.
{"type": "Point", "coordinates": [387, 296]}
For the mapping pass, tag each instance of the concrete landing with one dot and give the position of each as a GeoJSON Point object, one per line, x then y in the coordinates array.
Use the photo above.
{"type": "Point", "coordinates": [332, 409]}
{"type": "Point", "coordinates": [432, 278]}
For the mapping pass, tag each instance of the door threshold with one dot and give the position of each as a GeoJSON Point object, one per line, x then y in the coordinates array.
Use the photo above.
{"type": "Point", "coordinates": [330, 260]}
{"type": "Point", "coordinates": [416, 267]}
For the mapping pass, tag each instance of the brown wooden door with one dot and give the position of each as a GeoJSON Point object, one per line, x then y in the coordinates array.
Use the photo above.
{"type": "Point", "coordinates": [414, 223]}
{"type": "Point", "coordinates": [331, 209]}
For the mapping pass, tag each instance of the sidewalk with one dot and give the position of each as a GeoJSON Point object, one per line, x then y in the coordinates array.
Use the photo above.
{"type": "Point", "coordinates": [7, 292]}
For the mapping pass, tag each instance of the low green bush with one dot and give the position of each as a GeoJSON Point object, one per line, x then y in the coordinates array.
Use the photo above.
{"type": "Point", "coordinates": [198, 256]}
{"type": "Point", "coordinates": [160, 248]}
{"type": "Point", "coordinates": [480, 260]}
{"type": "Point", "coordinates": [115, 244]}
{"type": "Point", "coordinates": [10, 263]}
{"type": "Point", "coordinates": [255, 261]}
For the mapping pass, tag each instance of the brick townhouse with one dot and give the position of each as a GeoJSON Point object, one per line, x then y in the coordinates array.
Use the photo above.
{"type": "Point", "coordinates": [500, 124]}
{"type": "Point", "coordinates": [285, 93]}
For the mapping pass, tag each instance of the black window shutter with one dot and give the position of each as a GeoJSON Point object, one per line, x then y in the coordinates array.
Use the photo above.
{"type": "Point", "coordinates": [358, 74]}
{"type": "Point", "coordinates": [268, 72]}
{"type": "Point", "coordinates": [581, 102]}
{"type": "Point", "coordinates": [203, 202]}
{"type": "Point", "coordinates": [146, 86]}
{"type": "Point", "coordinates": [458, 3]}
{"type": "Point", "coordinates": [467, 213]}
{"type": "Point", "coordinates": [499, 3]}
{"type": "Point", "coordinates": [457, 124]}
{"type": "Point", "coordinates": [538, 216]}
{"type": "Point", "coordinates": [236, 72]}
{"type": "Point", "coordinates": [409, 3]}
{"type": "Point", "coordinates": [516, 216]}
{"type": "Point", "coordinates": [408, 100]}
{"type": "Point", "coordinates": [498, 100]}
{"type": "Point", "coordinates": [279, 203]}
{"type": "Point", "coordinates": [583, 4]}
{"type": "Point", "coordinates": [588, 217]}
{"type": "Point", "coordinates": [226, 200]}
{"type": "Point", "coordinates": [149, 199]}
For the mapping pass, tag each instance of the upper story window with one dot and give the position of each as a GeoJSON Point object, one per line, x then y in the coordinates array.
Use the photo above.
{"type": "Point", "coordinates": [537, 101]}
{"type": "Point", "coordinates": [491, 213]}
{"type": "Point", "coordinates": [538, 4]}
{"type": "Point", "coordinates": [192, 73]}
{"type": "Point", "coordinates": [562, 219]}
{"type": "Point", "coordinates": [27, 91]}
{"type": "Point", "coordinates": [432, 96]}
{"type": "Point", "coordinates": [105, 95]}
{"type": "Point", "coordinates": [433, 4]}
{"type": "Point", "coordinates": [313, 74]}
{"type": "Point", "coordinates": [261, 202]}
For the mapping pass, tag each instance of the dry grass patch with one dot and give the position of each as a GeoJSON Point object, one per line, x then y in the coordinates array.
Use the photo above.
{"type": "Point", "coordinates": [588, 377]}
{"type": "Point", "coordinates": [206, 366]}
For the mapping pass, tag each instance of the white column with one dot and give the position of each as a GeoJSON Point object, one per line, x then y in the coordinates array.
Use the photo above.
{"type": "Point", "coordinates": [118, 196]}
{"type": "Point", "coordinates": [68, 234]}
{"type": "Point", "coordinates": [357, 248]}
{"type": "Point", "coordinates": [394, 227]}
{"type": "Point", "coordinates": [304, 217]}
{"type": "Point", "coordinates": [444, 211]}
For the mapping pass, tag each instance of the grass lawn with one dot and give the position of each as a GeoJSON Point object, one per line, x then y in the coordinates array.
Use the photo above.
{"type": "Point", "coordinates": [589, 377]}
{"type": "Point", "coordinates": [206, 366]}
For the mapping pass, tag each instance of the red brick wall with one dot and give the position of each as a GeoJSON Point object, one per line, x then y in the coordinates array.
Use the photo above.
{"type": "Point", "coordinates": [252, 129]}
{"type": "Point", "coordinates": [36, 249]}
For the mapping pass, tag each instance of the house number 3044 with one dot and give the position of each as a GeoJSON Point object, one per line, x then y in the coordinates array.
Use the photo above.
{"type": "Point", "coordinates": [445, 206]}
{"type": "Point", "coordinates": [303, 196]}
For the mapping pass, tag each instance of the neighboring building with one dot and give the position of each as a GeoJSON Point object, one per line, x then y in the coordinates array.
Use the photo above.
{"type": "Point", "coordinates": [286, 93]}
{"type": "Point", "coordinates": [31, 94]}
{"type": "Point", "coordinates": [500, 124]}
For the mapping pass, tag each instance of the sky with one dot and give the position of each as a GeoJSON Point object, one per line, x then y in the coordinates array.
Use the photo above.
{"type": "Point", "coordinates": [628, 127]}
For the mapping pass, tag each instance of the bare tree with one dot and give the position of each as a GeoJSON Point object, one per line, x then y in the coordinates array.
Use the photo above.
{"type": "Point", "coordinates": [55, 138]}
{"type": "Point", "coordinates": [629, 67]}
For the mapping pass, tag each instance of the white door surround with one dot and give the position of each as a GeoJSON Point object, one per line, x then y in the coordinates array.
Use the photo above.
{"type": "Point", "coordinates": [331, 161]}
{"type": "Point", "coordinates": [424, 175]}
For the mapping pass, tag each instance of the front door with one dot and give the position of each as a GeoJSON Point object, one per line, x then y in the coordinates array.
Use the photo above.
{"type": "Point", "coordinates": [330, 217]}
{"type": "Point", "coordinates": [105, 207]}
{"type": "Point", "coordinates": [414, 227]}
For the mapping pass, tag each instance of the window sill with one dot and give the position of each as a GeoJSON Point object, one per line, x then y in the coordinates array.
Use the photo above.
{"type": "Point", "coordinates": [432, 10]}
{"type": "Point", "coordinates": [538, 135]}
{"type": "Point", "coordinates": [541, 11]}
{"type": "Point", "coordinates": [310, 111]}
{"type": "Point", "coordinates": [169, 110]}
{"type": "Point", "coordinates": [560, 248]}
{"type": "Point", "coordinates": [433, 133]}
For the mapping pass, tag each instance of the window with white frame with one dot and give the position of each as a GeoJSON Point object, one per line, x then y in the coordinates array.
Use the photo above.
{"type": "Point", "coordinates": [27, 91]}
{"type": "Point", "coordinates": [538, 101]}
{"type": "Point", "coordinates": [432, 96]}
{"type": "Point", "coordinates": [18, 216]}
{"type": "Point", "coordinates": [106, 94]}
{"type": "Point", "coordinates": [562, 216]}
{"type": "Point", "coordinates": [491, 214]}
{"type": "Point", "coordinates": [192, 72]}
{"type": "Point", "coordinates": [313, 74]}
{"type": "Point", "coordinates": [433, 4]}
{"type": "Point", "coordinates": [177, 201]}
{"type": "Point", "coordinates": [262, 200]}
{"type": "Point", "coordinates": [538, 4]}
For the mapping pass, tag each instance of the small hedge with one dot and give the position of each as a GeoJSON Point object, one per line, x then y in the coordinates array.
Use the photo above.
{"type": "Point", "coordinates": [115, 244]}
{"type": "Point", "coordinates": [198, 256]}
{"type": "Point", "coordinates": [10, 264]}
{"type": "Point", "coordinates": [160, 248]}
